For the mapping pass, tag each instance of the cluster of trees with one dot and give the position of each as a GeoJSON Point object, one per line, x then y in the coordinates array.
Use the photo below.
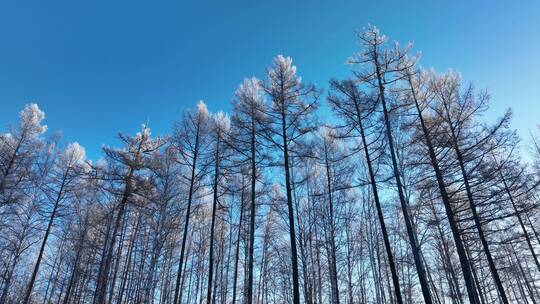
{"type": "Point", "coordinates": [409, 196]}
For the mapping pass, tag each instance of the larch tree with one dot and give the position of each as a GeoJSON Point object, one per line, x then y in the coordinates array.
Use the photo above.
{"type": "Point", "coordinates": [458, 110]}
{"type": "Point", "coordinates": [220, 129]}
{"type": "Point", "coordinates": [190, 138]}
{"type": "Point", "coordinates": [290, 113]}
{"type": "Point", "coordinates": [67, 169]}
{"type": "Point", "coordinates": [329, 155]}
{"type": "Point", "coordinates": [378, 65]}
{"type": "Point", "coordinates": [355, 108]}
{"type": "Point", "coordinates": [247, 139]}
{"type": "Point", "coordinates": [407, 71]}
{"type": "Point", "coordinates": [126, 163]}
{"type": "Point", "coordinates": [19, 149]}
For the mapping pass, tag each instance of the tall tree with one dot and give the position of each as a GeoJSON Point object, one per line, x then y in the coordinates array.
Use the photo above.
{"type": "Point", "coordinates": [292, 105]}
{"type": "Point", "coordinates": [18, 153]}
{"type": "Point", "coordinates": [378, 65]}
{"type": "Point", "coordinates": [249, 121]}
{"type": "Point", "coordinates": [166, 190]}
{"type": "Point", "coordinates": [329, 154]}
{"type": "Point", "coordinates": [220, 129]}
{"type": "Point", "coordinates": [356, 108]}
{"type": "Point", "coordinates": [406, 69]}
{"type": "Point", "coordinates": [458, 110]}
{"type": "Point", "coordinates": [126, 163]}
{"type": "Point", "coordinates": [191, 135]}
{"type": "Point", "coordinates": [66, 172]}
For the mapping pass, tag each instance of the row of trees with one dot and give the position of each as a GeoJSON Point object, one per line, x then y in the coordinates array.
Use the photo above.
{"type": "Point", "coordinates": [409, 196]}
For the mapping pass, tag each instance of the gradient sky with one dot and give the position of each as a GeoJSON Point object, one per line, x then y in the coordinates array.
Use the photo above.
{"type": "Point", "coordinates": [100, 67]}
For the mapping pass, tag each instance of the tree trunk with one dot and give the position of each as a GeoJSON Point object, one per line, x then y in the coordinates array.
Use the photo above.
{"type": "Point", "coordinates": [214, 208]}
{"type": "Point", "coordinates": [464, 261]}
{"type": "Point", "coordinates": [333, 266]}
{"type": "Point", "coordinates": [118, 257]}
{"type": "Point", "coordinates": [237, 254]}
{"type": "Point", "coordinates": [518, 215]}
{"type": "Point", "coordinates": [416, 250]}
{"type": "Point", "coordinates": [292, 233]}
{"type": "Point", "coordinates": [128, 263]}
{"type": "Point", "coordinates": [45, 238]}
{"type": "Point", "coordinates": [75, 271]}
{"type": "Point", "coordinates": [476, 217]}
{"type": "Point", "coordinates": [249, 293]}
{"type": "Point", "coordinates": [177, 291]}
{"type": "Point", "coordinates": [380, 215]}
{"type": "Point", "coordinates": [102, 282]}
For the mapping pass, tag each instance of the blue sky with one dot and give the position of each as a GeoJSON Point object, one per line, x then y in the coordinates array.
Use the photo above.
{"type": "Point", "coordinates": [100, 67]}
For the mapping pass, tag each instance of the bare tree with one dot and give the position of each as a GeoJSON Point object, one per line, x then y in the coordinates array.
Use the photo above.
{"type": "Point", "coordinates": [66, 171]}
{"type": "Point", "coordinates": [191, 135]}
{"type": "Point", "coordinates": [292, 104]}
{"type": "Point", "coordinates": [355, 107]}
{"type": "Point", "coordinates": [220, 129]}
{"type": "Point", "coordinates": [379, 64]}
{"type": "Point", "coordinates": [129, 160]}
{"type": "Point", "coordinates": [18, 152]}
{"type": "Point", "coordinates": [249, 122]}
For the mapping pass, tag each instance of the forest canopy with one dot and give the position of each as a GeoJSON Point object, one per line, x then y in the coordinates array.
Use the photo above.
{"type": "Point", "coordinates": [406, 195]}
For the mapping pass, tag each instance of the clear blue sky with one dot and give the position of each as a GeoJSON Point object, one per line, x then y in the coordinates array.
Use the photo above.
{"type": "Point", "coordinates": [100, 67]}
